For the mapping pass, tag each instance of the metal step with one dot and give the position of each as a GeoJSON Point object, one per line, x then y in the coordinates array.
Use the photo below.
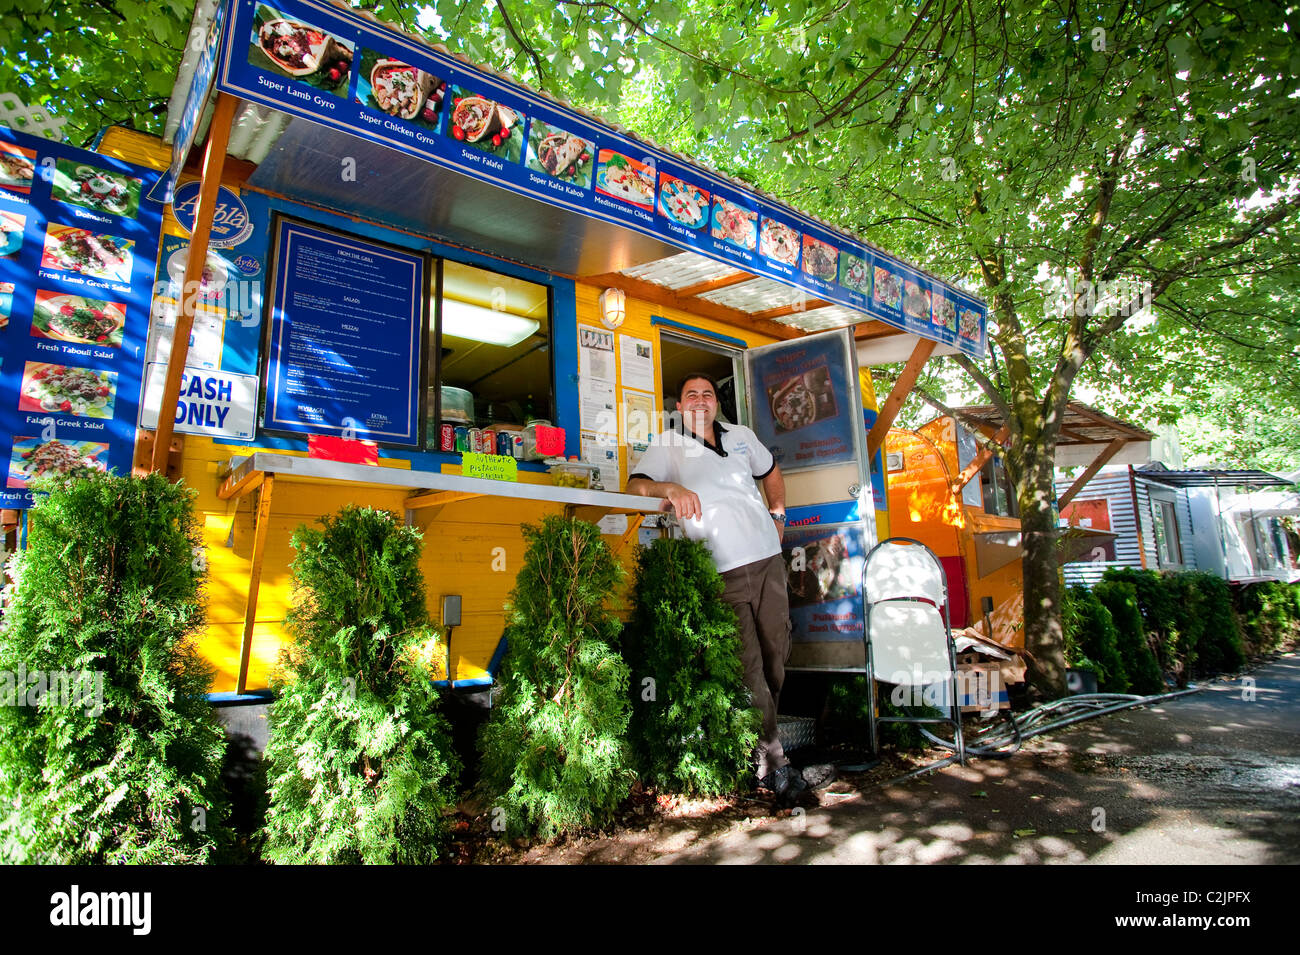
{"type": "Point", "coordinates": [796, 732]}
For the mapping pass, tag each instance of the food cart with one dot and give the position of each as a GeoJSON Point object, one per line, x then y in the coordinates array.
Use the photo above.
{"type": "Point", "coordinates": [948, 488]}
{"type": "Point", "coordinates": [371, 246]}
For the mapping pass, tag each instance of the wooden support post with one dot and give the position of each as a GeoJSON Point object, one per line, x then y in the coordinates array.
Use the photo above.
{"type": "Point", "coordinates": [255, 578]}
{"type": "Point", "coordinates": [1090, 471]}
{"type": "Point", "coordinates": [438, 498]}
{"type": "Point", "coordinates": [902, 388]}
{"type": "Point", "coordinates": [633, 525]}
{"type": "Point", "coordinates": [213, 161]}
{"type": "Point", "coordinates": [592, 513]}
{"type": "Point", "coordinates": [980, 459]}
{"type": "Point", "coordinates": [246, 485]}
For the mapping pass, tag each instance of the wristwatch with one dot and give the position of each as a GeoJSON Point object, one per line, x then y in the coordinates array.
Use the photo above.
{"type": "Point", "coordinates": [779, 518]}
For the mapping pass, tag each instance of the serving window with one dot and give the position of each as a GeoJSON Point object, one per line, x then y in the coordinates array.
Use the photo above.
{"type": "Point", "coordinates": [491, 365]}
{"type": "Point", "coordinates": [999, 494]}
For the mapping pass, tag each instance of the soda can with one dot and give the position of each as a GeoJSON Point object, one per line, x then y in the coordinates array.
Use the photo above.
{"type": "Point", "coordinates": [476, 440]}
{"type": "Point", "coordinates": [489, 441]}
{"type": "Point", "coordinates": [447, 437]}
{"type": "Point", "coordinates": [504, 443]}
{"type": "Point", "coordinates": [517, 445]}
{"type": "Point", "coordinates": [462, 439]}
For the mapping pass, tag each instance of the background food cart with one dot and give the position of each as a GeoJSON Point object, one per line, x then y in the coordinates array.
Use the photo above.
{"type": "Point", "coordinates": [364, 210]}
{"type": "Point", "coordinates": [949, 489]}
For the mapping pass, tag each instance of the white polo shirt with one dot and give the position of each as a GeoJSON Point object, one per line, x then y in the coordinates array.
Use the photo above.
{"type": "Point", "coordinates": [735, 524]}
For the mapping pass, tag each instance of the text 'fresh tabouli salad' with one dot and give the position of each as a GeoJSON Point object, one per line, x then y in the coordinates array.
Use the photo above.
{"type": "Point", "coordinates": [77, 319]}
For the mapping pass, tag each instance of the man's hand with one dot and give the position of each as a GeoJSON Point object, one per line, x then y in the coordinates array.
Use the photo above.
{"type": "Point", "coordinates": [685, 503]}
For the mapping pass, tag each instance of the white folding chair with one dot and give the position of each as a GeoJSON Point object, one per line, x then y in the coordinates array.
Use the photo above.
{"type": "Point", "coordinates": [908, 636]}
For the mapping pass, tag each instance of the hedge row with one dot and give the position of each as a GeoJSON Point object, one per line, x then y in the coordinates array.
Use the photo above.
{"type": "Point", "coordinates": [359, 766]}
{"type": "Point", "coordinates": [1137, 627]}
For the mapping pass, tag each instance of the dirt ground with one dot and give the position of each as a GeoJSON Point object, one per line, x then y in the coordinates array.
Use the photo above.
{"type": "Point", "coordinates": [1209, 777]}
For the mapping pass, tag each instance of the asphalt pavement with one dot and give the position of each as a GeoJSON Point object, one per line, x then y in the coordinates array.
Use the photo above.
{"type": "Point", "coordinates": [1208, 778]}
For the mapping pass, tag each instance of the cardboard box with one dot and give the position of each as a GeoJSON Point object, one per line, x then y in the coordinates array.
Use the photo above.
{"type": "Point", "coordinates": [1012, 669]}
{"type": "Point", "coordinates": [980, 689]}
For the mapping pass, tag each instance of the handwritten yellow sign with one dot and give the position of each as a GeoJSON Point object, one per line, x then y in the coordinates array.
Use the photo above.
{"type": "Point", "coordinates": [494, 467]}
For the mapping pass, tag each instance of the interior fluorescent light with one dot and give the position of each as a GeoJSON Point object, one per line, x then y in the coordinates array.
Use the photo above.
{"type": "Point", "coordinates": [463, 320]}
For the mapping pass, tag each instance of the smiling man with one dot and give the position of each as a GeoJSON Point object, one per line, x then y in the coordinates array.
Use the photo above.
{"type": "Point", "coordinates": [710, 474]}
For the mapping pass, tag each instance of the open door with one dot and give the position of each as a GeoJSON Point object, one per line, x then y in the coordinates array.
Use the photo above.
{"type": "Point", "coordinates": [805, 405]}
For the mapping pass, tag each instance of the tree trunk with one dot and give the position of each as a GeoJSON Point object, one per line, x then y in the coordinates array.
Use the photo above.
{"type": "Point", "coordinates": [1044, 638]}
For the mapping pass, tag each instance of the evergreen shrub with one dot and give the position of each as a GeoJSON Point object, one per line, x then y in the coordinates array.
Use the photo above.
{"type": "Point", "coordinates": [693, 728]}
{"type": "Point", "coordinates": [359, 763]}
{"type": "Point", "coordinates": [1218, 632]}
{"type": "Point", "coordinates": [1186, 624]}
{"type": "Point", "coordinates": [1269, 612]}
{"type": "Point", "coordinates": [555, 755]}
{"type": "Point", "coordinates": [1155, 603]}
{"type": "Point", "coordinates": [1119, 597]}
{"type": "Point", "coordinates": [114, 754]}
{"type": "Point", "coordinates": [1091, 640]}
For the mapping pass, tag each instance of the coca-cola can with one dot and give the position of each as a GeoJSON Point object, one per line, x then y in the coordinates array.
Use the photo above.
{"type": "Point", "coordinates": [476, 440]}
{"type": "Point", "coordinates": [447, 437]}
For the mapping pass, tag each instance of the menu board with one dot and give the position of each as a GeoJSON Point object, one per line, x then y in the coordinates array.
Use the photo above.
{"type": "Point", "coordinates": [801, 412]}
{"type": "Point", "coordinates": [339, 69]}
{"type": "Point", "coordinates": [78, 244]}
{"type": "Point", "coordinates": [346, 321]}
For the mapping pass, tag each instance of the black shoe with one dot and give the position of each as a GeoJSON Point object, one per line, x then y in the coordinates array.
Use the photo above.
{"type": "Point", "coordinates": [797, 783]}
{"type": "Point", "coordinates": [785, 783]}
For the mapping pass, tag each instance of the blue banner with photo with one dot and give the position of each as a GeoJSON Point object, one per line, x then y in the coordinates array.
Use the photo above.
{"type": "Point", "coordinates": [824, 577]}
{"type": "Point", "coordinates": [800, 411]}
{"type": "Point", "coordinates": [78, 244]}
{"type": "Point", "coordinates": [342, 70]}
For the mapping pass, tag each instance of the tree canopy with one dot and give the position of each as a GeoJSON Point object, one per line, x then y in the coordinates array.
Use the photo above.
{"type": "Point", "coordinates": [96, 63]}
{"type": "Point", "coordinates": [1118, 180]}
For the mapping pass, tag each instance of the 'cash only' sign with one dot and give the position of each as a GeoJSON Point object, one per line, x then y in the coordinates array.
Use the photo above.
{"type": "Point", "coordinates": [214, 403]}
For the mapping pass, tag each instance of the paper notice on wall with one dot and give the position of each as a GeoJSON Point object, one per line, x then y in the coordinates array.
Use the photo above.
{"type": "Point", "coordinates": [206, 335]}
{"type": "Point", "coordinates": [597, 449]}
{"type": "Point", "coordinates": [596, 406]}
{"type": "Point", "coordinates": [595, 354]}
{"type": "Point", "coordinates": [636, 362]}
{"type": "Point", "coordinates": [613, 524]}
{"type": "Point", "coordinates": [639, 417]}
{"type": "Point", "coordinates": [634, 452]}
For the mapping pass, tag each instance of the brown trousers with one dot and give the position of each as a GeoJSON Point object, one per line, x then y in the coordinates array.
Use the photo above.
{"type": "Point", "coordinates": [757, 591]}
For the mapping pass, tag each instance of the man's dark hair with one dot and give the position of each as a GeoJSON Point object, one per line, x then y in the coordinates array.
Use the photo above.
{"type": "Point", "coordinates": [691, 376]}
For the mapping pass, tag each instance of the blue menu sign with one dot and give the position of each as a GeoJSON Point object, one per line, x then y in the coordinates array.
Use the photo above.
{"type": "Point", "coordinates": [336, 67]}
{"type": "Point", "coordinates": [78, 244]}
{"type": "Point", "coordinates": [346, 321]}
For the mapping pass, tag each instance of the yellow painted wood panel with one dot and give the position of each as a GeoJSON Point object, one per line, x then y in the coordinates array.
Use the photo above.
{"type": "Point", "coordinates": [461, 541]}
